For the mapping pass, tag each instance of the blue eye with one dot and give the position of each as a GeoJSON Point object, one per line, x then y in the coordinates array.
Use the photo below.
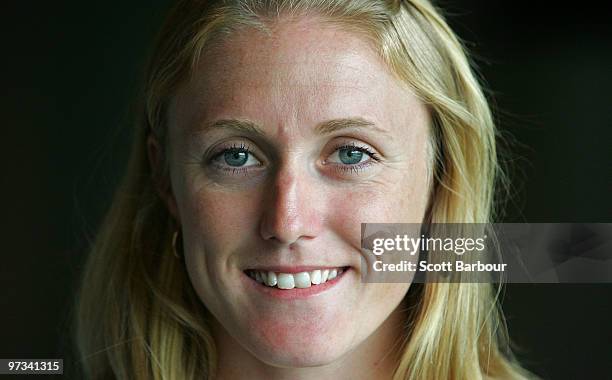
{"type": "Point", "coordinates": [350, 156]}
{"type": "Point", "coordinates": [236, 157]}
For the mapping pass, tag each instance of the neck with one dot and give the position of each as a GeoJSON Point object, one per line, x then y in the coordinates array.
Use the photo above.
{"type": "Point", "coordinates": [375, 358]}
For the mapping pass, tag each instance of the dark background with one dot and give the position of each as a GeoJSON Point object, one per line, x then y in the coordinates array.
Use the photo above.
{"type": "Point", "coordinates": [70, 71]}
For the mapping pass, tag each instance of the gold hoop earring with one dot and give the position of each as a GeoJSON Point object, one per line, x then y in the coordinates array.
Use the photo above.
{"type": "Point", "coordinates": [174, 240]}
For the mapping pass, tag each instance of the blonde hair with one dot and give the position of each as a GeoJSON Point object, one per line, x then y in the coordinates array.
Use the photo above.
{"type": "Point", "coordinates": [138, 315]}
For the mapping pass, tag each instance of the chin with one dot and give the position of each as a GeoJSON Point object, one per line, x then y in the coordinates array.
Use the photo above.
{"type": "Point", "coordinates": [304, 338]}
{"type": "Point", "coordinates": [298, 356]}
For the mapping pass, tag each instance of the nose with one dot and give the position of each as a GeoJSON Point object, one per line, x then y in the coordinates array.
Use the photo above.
{"type": "Point", "coordinates": [291, 210]}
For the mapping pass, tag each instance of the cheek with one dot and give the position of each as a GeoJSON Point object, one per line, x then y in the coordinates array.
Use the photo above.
{"type": "Point", "coordinates": [384, 203]}
{"type": "Point", "coordinates": [387, 296]}
{"type": "Point", "coordinates": [348, 210]}
{"type": "Point", "coordinates": [400, 201]}
{"type": "Point", "coordinates": [411, 200]}
{"type": "Point", "coordinates": [381, 300]}
{"type": "Point", "coordinates": [216, 218]}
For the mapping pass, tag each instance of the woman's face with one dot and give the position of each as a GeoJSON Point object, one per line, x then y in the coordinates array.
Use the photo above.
{"type": "Point", "coordinates": [280, 147]}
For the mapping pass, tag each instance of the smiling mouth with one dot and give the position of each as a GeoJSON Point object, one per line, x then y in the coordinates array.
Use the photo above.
{"type": "Point", "coordinates": [301, 280]}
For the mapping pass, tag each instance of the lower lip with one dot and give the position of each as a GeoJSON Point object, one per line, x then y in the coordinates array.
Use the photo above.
{"type": "Point", "coordinates": [295, 293]}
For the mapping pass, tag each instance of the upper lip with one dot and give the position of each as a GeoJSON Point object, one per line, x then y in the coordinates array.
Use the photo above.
{"type": "Point", "coordinates": [294, 269]}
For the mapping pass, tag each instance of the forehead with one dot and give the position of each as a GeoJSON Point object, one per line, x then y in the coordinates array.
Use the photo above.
{"type": "Point", "coordinates": [304, 72]}
{"type": "Point", "coordinates": [294, 52]}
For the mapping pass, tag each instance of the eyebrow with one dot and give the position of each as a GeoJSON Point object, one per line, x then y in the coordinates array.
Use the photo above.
{"type": "Point", "coordinates": [323, 128]}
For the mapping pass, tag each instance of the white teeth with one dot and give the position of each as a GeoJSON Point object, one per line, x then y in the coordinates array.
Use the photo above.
{"type": "Point", "coordinates": [286, 281]}
{"type": "Point", "coordinates": [302, 280]}
{"type": "Point", "coordinates": [294, 280]}
{"type": "Point", "coordinates": [272, 281]}
{"type": "Point", "coordinates": [315, 277]}
{"type": "Point", "coordinates": [324, 275]}
{"type": "Point", "coordinates": [332, 274]}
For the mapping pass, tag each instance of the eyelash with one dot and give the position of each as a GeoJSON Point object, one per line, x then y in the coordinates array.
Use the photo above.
{"type": "Point", "coordinates": [356, 168]}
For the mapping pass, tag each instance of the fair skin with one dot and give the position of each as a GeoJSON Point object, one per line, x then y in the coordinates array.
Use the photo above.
{"type": "Point", "coordinates": [297, 197]}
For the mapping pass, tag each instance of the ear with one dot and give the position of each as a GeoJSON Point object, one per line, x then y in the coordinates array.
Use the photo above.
{"type": "Point", "coordinates": [161, 179]}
